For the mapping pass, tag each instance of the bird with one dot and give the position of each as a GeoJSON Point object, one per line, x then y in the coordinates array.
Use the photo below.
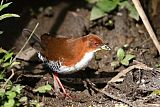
{"type": "Point", "coordinates": [68, 55]}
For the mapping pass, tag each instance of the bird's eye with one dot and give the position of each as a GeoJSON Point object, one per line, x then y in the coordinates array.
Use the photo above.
{"type": "Point", "coordinates": [96, 43]}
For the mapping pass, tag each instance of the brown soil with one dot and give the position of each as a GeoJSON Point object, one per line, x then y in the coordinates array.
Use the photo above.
{"type": "Point", "coordinates": [70, 18]}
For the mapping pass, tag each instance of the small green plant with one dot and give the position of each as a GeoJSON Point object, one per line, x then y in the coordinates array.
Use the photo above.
{"type": "Point", "coordinates": [155, 92]}
{"type": "Point", "coordinates": [36, 103]}
{"type": "Point", "coordinates": [123, 58]}
{"type": "Point", "coordinates": [6, 61]}
{"type": "Point", "coordinates": [9, 96]}
{"type": "Point", "coordinates": [103, 7]}
{"type": "Point", "coordinates": [43, 89]}
{"type": "Point", "coordinates": [6, 15]}
{"type": "Point", "coordinates": [9, 92]}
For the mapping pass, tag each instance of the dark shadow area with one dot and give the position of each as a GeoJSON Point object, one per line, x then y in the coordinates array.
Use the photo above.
{"type": "Point", "coordinates": [75, 80]}
{"type": "Point", "coordinates": [12, 27]}
{"type": "Point", "coordinates": [29, 10]}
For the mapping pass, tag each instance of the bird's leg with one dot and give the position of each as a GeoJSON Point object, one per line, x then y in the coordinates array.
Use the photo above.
{"type": "Point", "coordinates": [49, 80]}
{"type": "Point", "coordinates": [55, 75]}
{"type": "Point", "coordinates": [56, 85]}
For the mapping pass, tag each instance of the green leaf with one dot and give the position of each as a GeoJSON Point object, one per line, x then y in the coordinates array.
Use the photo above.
{"type": "Point", "coordinates": [92, 1]}
{"type": "Point", "coordinates": [125, 62]}
{"type": "Point", "coordinates": [35, 102]}
{"type": "Point", "coordinates": [115, 64]}
{"type": "Point", "coordinates": [17, 88]}
{"type": "Point", "coordinates": [107, 5]}
{"type": "Point", "coordinates": [96, 13]}
{"type": "Point", "coordinates": [4, 65]}
{"type": "Point", "coordinates": [2, 50]}
{"type": "Point", "coordinates": [38, 105]}
{"type": "Point", "coordinates": [129, 57]}
{"type": "Point", "coordinates": [1, 61]}
{"type": "Point", "coordinates": [156, 92]}
{"type": "Point", "coordinates": [23, 99]}
{"type": "Point", "coordinates": [9, 84]}
{"type": "Point", "coordinates": [1, 76]}
{"type": "Point", "coordinates": [17, 104]}
{"type": "Point", "coordinates": [4, 6]}
{"type": "Point", "coordinates": [7, 56]}
{"type": "Point", "coordinates": [15, 63]}
{"type": "Point", "coordinates": [2, 92]}
{"type": "Point", "coordinates": [120, 54]}
{"type": "Point", "coordinates": [10, 103]}
{"type": "Point", "coordinates": [157, 65]}
{"type": "Point", "coordinates": [133, 12]}
{"type": "Point", "coordinates": [8, 15]}
{"type": "Point", "coordinates": [43, 89]}
{"type": "Point", "coordinates": [10, 60]}
{"type": "Point", "coordinates": [10, 94]}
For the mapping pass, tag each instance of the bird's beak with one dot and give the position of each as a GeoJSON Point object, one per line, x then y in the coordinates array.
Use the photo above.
{"type": "Point", "coordinates": [105, 47]}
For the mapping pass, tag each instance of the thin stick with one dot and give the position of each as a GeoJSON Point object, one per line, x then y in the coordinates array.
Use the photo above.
{"type": "Point", "coordinates": [115, 98]}
{"type": "Point", "coordinates": [26, 42]}
{"type": "Point", "coordinates": [4, 86]}
{"type": "Point", "coordinates": [146, 23]}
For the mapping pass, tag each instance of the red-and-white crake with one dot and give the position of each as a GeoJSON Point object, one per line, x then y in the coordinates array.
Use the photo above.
{"type": "Point", "coordinates": [68, 55]}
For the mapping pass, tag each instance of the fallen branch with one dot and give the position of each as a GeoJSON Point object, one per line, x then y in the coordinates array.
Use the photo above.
{"type": "Point", "coordinates": [108, 94]}
{"type": "Point", "coordinates": [138, 65]}
{"type": "Point", "coordinates": [114, 97]}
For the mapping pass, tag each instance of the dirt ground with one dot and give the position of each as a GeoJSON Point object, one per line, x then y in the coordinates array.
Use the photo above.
{"type": "Point", "coordinates": [70, 18]}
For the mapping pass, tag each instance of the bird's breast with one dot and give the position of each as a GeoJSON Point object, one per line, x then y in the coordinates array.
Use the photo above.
{"type": "Point", "coordinates": [78, 66]}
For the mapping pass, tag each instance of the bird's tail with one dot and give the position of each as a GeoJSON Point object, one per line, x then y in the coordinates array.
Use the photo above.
{"type": "Point", "coordinates": [34, 41]}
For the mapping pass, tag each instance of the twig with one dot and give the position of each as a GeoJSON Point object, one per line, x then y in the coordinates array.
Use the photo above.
{"type": "Point", "coordinates": [26, 42]}
{"type": "Point", "coordinates": [146, 23]}
{"type": "Point", "coordinates": [108, 94]}
{"type": "Point", "coordinates": [139, 65]}
{"type": "Point", "coordinates": [152, 105]}
{"type": "Point", "coordinates": [115, 98]}
{"type": "Point", "coordinates": [4, 86]}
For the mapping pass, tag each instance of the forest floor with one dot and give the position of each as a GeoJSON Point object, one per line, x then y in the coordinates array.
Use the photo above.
{"type": "Point", "coordinates": [70, 18]}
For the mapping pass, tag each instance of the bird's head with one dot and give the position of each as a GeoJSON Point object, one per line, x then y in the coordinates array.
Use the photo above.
{"type": "Point", "coordinates": [95, 43]}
